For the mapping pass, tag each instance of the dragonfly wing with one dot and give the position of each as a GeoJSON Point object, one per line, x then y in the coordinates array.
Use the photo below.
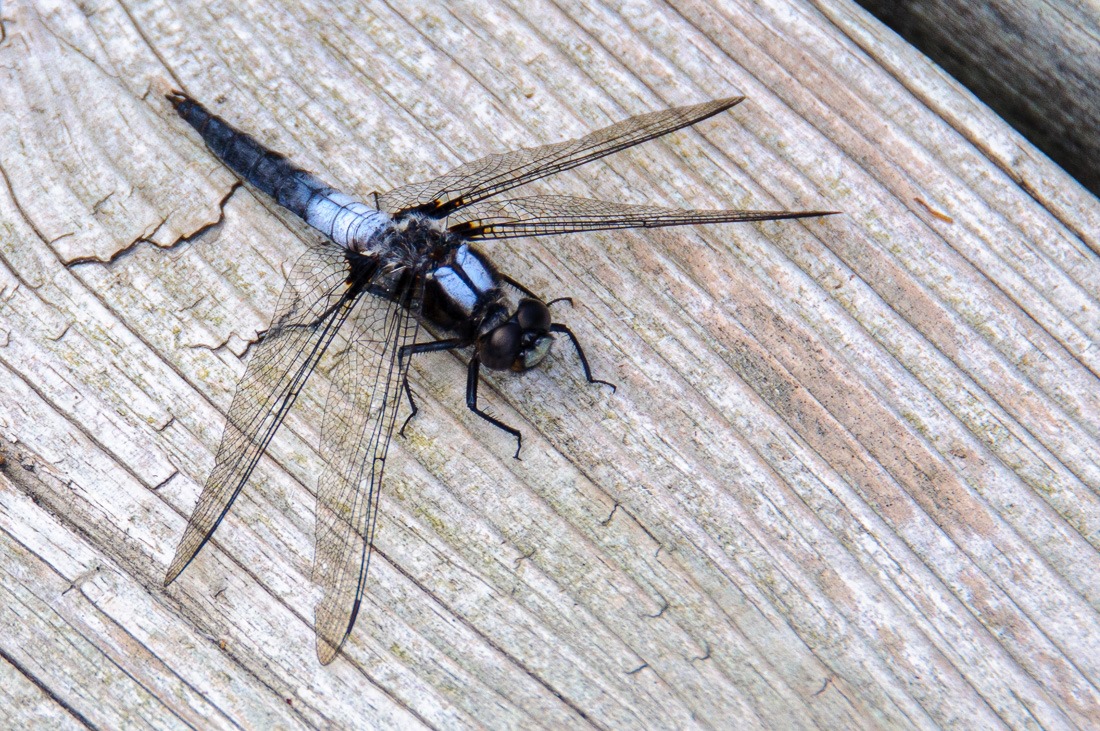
{"type": "Point", "coordinates": [484, 178]}
{"type": "Point", "coordinates": [355, 436]}
{"type": "Point", "coordinates": [558, 214]}
{"type": "Point", "coordinates": [312, 307]}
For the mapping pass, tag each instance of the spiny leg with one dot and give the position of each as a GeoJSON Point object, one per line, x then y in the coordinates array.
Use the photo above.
{"type": "Point", "coordinates": [557, 327]}
{"type": "Point", "coordinates": [532, 295]}
{"type": "Point", "coordinates": [412, 404]}
{"type": "Point", "coordinates": [520, 287]}
{"type": "Point", "coordinates": [414, 349]}
{"type": "Point", "coordinates": [471, 403]}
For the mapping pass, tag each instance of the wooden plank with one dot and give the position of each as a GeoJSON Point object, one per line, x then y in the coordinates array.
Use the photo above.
{"type": "Point", "coordinates": [849, 477]}
{"type": "Point", "coordinates": [24, 703]}
{"type": "Point", "coordinates": [1033, 61]}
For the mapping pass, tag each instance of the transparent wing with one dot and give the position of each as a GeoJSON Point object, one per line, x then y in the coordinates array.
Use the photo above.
{"type": "Point", "coordinates": [355, 436]}
{"type": "Point", "coordinates": [312, 307]}
{"type": "Point", "coordinates": [481, 179]}
{"type": "Point", "coordinates": [558, 214]}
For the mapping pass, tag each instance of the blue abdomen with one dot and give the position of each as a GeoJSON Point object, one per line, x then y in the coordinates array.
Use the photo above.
{"type": "Point", "coordinates": [345, 220]}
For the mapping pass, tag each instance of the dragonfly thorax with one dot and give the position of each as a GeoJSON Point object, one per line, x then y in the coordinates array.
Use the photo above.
{"type": "Point", "coordinates": [463, 294]}
{"type": "Point", "coordinates": [461, 288]}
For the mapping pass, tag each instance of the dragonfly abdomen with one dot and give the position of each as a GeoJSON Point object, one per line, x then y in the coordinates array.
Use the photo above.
{"type": "Point", "coordinates": [256, 164]}
{"type": "Point", "coordinates": [347, 221]}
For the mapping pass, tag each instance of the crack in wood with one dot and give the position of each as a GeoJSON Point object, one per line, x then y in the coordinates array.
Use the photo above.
{"type": "Point", "coordinates": [705, 655]}
{"type": "Point", "coordinates": [618, 506]}
{"type": "Point", "coordinates": [664, 606]}
{"type": "Point", "coordinates": [524, 557]}
{"type": "Point", "coordinates": [129, 248]}
{"type": "Point", "coordinates": [165, 481]}
{"type": "Point", "coordinates": [63, 333]}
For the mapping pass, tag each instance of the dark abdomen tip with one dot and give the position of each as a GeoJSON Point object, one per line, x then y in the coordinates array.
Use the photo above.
{"type": "Point", "coordinates": [194, 113]}
{"type": "Point", "coordinates": [266, 169]}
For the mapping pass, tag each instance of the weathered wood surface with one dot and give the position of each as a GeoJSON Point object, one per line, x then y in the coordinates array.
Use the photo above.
{"type": "Point", "coordinates": [1033, 61]}
{"type": "Point", "coordinates": [850, 478]}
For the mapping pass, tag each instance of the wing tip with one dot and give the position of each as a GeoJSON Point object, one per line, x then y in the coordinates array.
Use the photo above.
{"type": "Point", "coordinates": [326, 651]}
{"type": "Point", "coordinates": [705, 110]}
{"type": "Point", "coordinates": [174, 570]}
{"type": "Point", "coordinates": [180, 561]}
{"type": "Point", "coordinates": [788, 215]}
{"type": "Point", "coordinates": [785, 215]}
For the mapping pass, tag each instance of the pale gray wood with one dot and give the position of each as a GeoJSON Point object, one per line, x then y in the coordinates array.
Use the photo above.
{"type": "Point", "coordinates": [24, 704]}
{"type": "Point", "coordinates": [850, 477]}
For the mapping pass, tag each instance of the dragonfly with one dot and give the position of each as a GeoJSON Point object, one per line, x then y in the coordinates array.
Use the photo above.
{"type": "Point", "coordinates": [376, 273]}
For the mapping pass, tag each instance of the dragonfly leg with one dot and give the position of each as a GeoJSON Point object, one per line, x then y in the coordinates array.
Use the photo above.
{"type": "Point", "coordinates": [557, 327]}
{"type": "Point", "coordinates": [532, 295]}
{"type": "Point", "coordinates": [471, 403]}
{"type": "Point", "coordinates": [520, 287]}
{"type": "Point", "coordinates": [407, 351]}
{"type": "Point", "coordinates": [412, 404]}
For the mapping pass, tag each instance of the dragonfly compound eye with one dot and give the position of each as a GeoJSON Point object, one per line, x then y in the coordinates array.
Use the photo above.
{"type": "Point", "coordinates": [533, 315]}
{"type": "Point", "coordinates": [498, 350]}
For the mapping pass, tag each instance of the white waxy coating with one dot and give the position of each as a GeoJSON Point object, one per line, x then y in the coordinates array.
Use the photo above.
{"type": "Point", "coordinates": [457, 289]}
{"type": "Point", "coordinates": [475, 269]}
{"type": "Point", "coordinates": [344, 219]}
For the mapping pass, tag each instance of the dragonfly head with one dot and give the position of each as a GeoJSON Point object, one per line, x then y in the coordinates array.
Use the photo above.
{"type": "Point", "coordinates": [520, 342]}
